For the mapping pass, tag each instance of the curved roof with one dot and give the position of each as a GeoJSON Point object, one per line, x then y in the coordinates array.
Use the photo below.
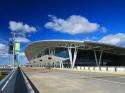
{"type": "Point", "coordinates": [38, 46]}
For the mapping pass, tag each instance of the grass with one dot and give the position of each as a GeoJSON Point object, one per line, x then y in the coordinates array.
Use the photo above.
{"type": "Point", "coordinates": [1, 77]}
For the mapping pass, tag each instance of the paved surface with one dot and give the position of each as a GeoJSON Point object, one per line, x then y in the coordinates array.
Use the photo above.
{"type": "Point", "coordinates": [57, 81]}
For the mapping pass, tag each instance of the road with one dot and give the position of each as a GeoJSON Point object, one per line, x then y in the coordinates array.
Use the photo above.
{"type": "Point", "coordinates": [60, 81]}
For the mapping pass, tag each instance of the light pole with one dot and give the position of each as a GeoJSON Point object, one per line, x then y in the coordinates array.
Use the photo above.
{"type": "Point", "coordinates": [13, 50]}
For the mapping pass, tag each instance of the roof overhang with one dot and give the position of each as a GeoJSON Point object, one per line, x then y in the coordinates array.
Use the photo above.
{"type": "Point", "coordinates": [36, 47]}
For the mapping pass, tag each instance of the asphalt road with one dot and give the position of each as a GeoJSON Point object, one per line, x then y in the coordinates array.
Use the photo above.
{"type": "Point", "coordinates": [57, 81]}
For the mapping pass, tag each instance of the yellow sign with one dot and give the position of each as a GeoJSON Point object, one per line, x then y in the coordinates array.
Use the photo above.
{"type": "Point", "coordinates": [17, 52]}
{"type": "Point", "coordinates": [17, 46]}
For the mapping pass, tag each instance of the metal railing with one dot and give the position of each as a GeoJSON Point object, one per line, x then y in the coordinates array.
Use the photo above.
{"type": "Point", "coordinates": [17, 82]}
{"type": "Point", "coordinates": [8, 81]}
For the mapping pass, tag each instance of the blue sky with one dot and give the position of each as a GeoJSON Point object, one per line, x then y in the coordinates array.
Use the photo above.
{"type": "Point", "coordinates": [97, 20]}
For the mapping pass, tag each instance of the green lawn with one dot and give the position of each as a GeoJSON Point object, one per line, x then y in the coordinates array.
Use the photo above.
{"type": "Point", "coordinates": [1, 77]}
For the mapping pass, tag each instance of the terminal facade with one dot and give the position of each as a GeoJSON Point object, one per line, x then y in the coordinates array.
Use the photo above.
{"type": "Point", "coordinates": [71, 53]}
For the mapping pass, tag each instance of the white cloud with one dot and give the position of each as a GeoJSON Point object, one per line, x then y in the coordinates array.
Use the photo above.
{"type": "Point", "coordinates": [3, 50]}
{"type": "Point", "coordinates": [116, 39]}
{"type": "Point", "coordinates": [4, 55]}
{"type": "Point", "coordinates": [21, 27]}
{"type": "Point", "coordinates": [22, 54]}
{"type": "Point", "coordinates": [2, 46]}
{"type": "Point", "coordinates": [75, 24]}
{"type": "Point", "coordinates": [103, 29]}
{"type": "Point", "coordinates": [22, 39]}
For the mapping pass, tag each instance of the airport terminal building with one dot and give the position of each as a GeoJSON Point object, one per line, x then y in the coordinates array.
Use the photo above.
{"type": "Point", "coordinates": [71, 53]}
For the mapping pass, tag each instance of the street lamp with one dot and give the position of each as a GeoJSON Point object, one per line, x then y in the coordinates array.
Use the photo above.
{"type": "Point", "coordinates": [14, 57]}
{"type": "Point", "coordinates": [14, 41]}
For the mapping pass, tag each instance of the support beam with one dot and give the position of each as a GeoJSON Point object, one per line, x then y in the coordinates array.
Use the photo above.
{"type": "Point", "coordinates": [100, 58]}
{"type": "Point", "coordinates": [96, 60]}
{"type": "Point", "coordinates": [49, 51]}
{"type": "Point", "coordinates": [62, 65]}
{"type": "Point", "coordinates": [72, 57]}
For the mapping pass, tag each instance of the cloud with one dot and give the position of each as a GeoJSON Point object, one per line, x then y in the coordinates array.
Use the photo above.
{"type": "Point", "coordinates": [22, 39]}
{"type": "Point", "coordinates": [3, 50]}
{"type": "Point", "coordinates": [4, 55]}
{"type": "Point", "coordinates": [22, 54]}
{"type": "Point", "coordinates": [103, 29]}
{"type": "Point", "coordinates": [21, 27]}
{"type": "Point", "coordinates": [2, 46]}
{"type": "Point", "coordinates": [116, 39]}
{"type": "Point", "coordinates": [75, 24]}
{"type": "Point", "coordinates": [23, 60]}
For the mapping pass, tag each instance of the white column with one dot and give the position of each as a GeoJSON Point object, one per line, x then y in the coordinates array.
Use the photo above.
{"type": "Point", "coordinates": [96, 58]}
{"type": "Point", "coordinates": [74, 57]}
{"type": "Point", "coordinates": [70, 55]}
{"type": "Point", "coordinates": [100, 58]}
{"type": "Point", "coordinates": [62, 64]}
{"type": "Point", "coordinates": [49, 51]}
{"type": "Point", "coordinates": [98, 61]}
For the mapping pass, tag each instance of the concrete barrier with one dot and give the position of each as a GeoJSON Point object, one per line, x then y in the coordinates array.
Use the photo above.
{"type": "Point", "coordinates": [96, 68]}
{"type": "Point", "coordinates": [120, 69]}
{"type": "Point", "coordinates": [103, 68]}
{"type": "Point", "coordinates": [91, 68]}
{"type": "Point", "coordinates": [82, 68]}
{"type": "Point", "coordinates": [78, 67]}
{"type": "Point", "coordinates": [86, 68]}
{"type": "Point", "coordinates": [112, 69]}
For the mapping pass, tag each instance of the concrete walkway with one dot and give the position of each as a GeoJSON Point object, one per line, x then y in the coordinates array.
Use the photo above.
{"type": "Point", "coordinates": [57, 81]}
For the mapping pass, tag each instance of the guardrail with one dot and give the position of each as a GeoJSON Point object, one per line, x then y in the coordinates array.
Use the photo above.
{"type": "Point", "coordinates": [17, 82]}
{"type": "Point", "coordinates": [8, 81]}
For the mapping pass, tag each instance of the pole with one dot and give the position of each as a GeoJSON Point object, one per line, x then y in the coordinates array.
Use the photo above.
{"type": "Point", "coordinates": [13, 51]}
{"type": "Point", "coordinates": [18, 60]}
